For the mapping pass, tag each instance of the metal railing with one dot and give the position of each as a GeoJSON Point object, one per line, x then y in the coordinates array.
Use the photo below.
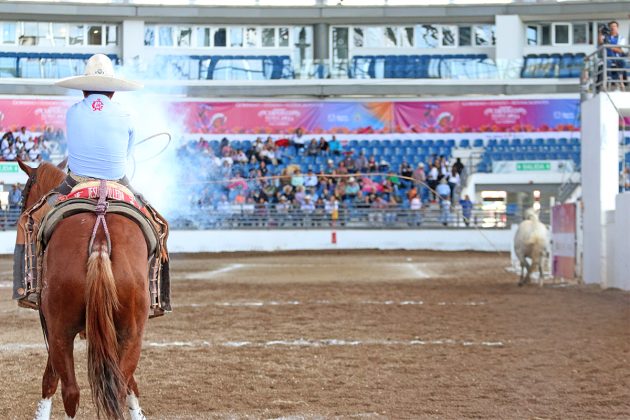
{"type": "Point", "coordinates": [268, 217]}
{"type": "Point", "coordinates": [603, 73]}
{"type": "Point", "coordinates": [254, 217]}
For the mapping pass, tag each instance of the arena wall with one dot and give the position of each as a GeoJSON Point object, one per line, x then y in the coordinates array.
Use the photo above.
{"type": "Point", "coordinates": [181, 241]}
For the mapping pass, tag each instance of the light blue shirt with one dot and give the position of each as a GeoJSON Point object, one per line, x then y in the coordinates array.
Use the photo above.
{"type": "Point", "coordinates": [100, 138]}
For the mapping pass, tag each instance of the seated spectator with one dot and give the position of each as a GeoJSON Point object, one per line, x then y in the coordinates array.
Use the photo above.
{"type": "Point", "coordinates": [310, 181]}
{"type": "Point", "coordinates": [323, 146]}
{"type": "Point", "coordinates": [352, 189]}
{"type": "Point", "coordinates": [370, 186]}
{"type": "Point", "coordinates": [6, 141]}
{"type": "Point", "coordinates": [10, 153]}
{"type": "Point", "coordinates": [361, 162]}
{"type": "Point", "coordinates": [383, 165]}
{"type": "Point", "coordinates": [312, 148]}
{"type": "Point", "coordinates": [334, 146]}
{"type": "Point", "coordinates": [300, 193]}
{"type": "Point", "coordinates": [297, 179]}
{"type": "Point", "coordinates": [262, 167]}
{"type": "Point", "coordinates": [330, 167]}
{"type": "Point", "coordinates": [224, 206]}
{"type": "Point", "coordinates": [348, 163]}
{"type": "Point", "coordinates": [307, 205]}
{"type": "Point", "coordinates": [341, 169]}
{"type": "Point", "coordinates": [239, 156]}
{"type": "Point", "coordinates": [406, 174]}
{"type": "Point", "coordinates": [372, 165]}
{"type": "Point", "coordinates": [298, 140]}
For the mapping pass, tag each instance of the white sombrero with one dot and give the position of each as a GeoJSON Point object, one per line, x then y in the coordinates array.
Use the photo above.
{"type": "Point", "coordinates": [98, 77]}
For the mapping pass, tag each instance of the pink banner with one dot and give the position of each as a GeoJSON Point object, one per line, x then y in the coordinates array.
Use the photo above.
{"type": "Point", "coordinates": [315, 117]}
{"type": "Point", "coordinates": [34, 114]}
{"type": "Point", "coordinates": [563, 235]}
{"type": "Point", "coordinates": [487, 116]}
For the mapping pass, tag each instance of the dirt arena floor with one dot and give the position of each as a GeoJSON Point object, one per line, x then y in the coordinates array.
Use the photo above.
{"type": "Point", "coordinates": [401, 335]}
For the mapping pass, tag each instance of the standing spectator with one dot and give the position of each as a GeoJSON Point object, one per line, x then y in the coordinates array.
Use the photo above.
{"type": "Point", "coordinates": [610, 35]}
{"type": "Point", "coordinates": [331, 207]}
{"type": "Point", "coordinates": [298, 140]}
{"type": "Point", "coordinates": [334, 146]}
{"type": "Point", "coordinates": [15, 196]}
{"type": "Point", "coordinates": [415, 205]}
{"type": "Point", "coordinates": [459, 166]}
{"type": "Point", "coordinates": [432, 180]}
{"type": "Point", "coordinates": [467, 206]}
{"type": "Point", "coordinates": [323, 146]}
{"type": "Point", "coordinates": [420, 179]}
{"type": "Point", "coordinates": [453, 182]}
{"type": "Point", "coordinates": [444, 193]}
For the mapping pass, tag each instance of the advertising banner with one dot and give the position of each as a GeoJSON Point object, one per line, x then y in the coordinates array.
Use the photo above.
{"type": "Point", "coordinates": [516, 166]}
{"type": "Point", "coordinates": [34, 114]}
{"type": "Point", "coordinates": [286, 117]}
{"type": "Point", "coordinates": [319, 117]}
{"type": "Point", "coordinates": [563, 237]}
{"type": "Point", "coordinates": [487, 116]}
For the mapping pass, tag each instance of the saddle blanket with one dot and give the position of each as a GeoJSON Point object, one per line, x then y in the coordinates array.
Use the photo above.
{"type": "Point", "coordinates": [90, 189]}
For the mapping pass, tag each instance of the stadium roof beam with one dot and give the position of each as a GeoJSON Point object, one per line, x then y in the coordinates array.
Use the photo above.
{"type": "Point", "coordinates": [313, 14]}
{"type": "Point", "coordinates": [321, 88]}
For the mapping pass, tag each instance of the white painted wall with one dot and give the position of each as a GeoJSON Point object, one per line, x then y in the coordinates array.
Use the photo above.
{"type": "Point", "coordinates": [284, 240]}
{"type": "Point", "coordinates": [621, 233]}
{"type": "Point", "coordinates": [600, 182]}
{"type": "Point", "coordinates": [132, 40]}
{"type": "Point", "coordinates": [510, 37]}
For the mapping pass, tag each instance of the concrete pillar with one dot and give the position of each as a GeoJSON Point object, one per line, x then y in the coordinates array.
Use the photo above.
{"type": "Point", "coordinates": [132, 41]}
{"type": "Point", "coordinates": [600, 181]}
{"type": "Point", "coordinates": [320, 39]}
{"type": "Point", "coordinates": [510, 37]}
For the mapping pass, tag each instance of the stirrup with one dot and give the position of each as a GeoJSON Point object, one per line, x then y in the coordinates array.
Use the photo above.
{"type": "Point", "coordinates": [156, 312]}
{"type": "Point", "coordinates": [29, 301]}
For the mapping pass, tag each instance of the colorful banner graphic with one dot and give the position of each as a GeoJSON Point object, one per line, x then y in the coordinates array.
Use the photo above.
{"type": "Point", "coordinates": [286, 117]}
{"type": "Point", "coordinates": [339, 117]}
{"type": "Point", "coordinates": [563, 236]}
{"type": "Point", "coordinates": [487, 116]}
{"type": "Point", "coordinates": [34, 114]}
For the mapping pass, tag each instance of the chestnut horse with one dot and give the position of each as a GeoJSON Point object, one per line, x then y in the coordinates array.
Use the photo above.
{"type": "Point", "coordinates": [105, 296]}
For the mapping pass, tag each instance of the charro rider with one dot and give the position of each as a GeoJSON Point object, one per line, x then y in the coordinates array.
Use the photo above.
{"type": "Point", "coordinates": [101, 136]}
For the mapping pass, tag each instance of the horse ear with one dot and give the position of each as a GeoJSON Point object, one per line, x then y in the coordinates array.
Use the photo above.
{"type": "Point", "coordinates": [62, 165]}
{"type": "Point", "coordinates": [27, 169]}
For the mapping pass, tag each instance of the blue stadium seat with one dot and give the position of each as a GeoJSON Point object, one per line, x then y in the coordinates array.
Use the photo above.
{"type": "Point", "coordinates": [464, 143]}
{"type": "Point", "coordinates": [478, 143]}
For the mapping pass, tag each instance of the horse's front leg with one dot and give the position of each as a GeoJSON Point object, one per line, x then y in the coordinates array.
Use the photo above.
{"type": "Point", "coordinates": [49, 387]}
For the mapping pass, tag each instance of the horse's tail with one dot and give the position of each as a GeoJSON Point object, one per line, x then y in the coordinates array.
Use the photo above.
{"type": "Point", "coordinates": [106, 379]}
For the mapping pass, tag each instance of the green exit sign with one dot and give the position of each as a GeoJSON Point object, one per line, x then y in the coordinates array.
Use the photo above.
{"type": "Point", "coordinates": [10, 167]}
{"type": "Point", "coordinates": [533, 166]}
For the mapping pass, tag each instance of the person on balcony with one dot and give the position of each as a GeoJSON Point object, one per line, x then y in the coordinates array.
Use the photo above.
{"type": "Point", "coordinates": [609, 35]}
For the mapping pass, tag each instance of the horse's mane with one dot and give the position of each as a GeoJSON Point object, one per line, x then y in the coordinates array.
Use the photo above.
{"type": "Point", "coordinates": [46, 176]}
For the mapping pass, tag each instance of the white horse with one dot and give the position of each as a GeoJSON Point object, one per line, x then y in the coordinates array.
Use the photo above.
{"type": "Point", "coordinates": [531, 241]}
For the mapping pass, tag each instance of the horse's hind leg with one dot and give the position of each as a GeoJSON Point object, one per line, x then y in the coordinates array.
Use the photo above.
{"type": "Point", "coordinates": [135, 412]}
{"type": "Point", "coordinates": [49, 387]}
{"type": "Point", "coordinates": [62, 361]}
{"type": "Point", "coordinates": [129, 358]}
